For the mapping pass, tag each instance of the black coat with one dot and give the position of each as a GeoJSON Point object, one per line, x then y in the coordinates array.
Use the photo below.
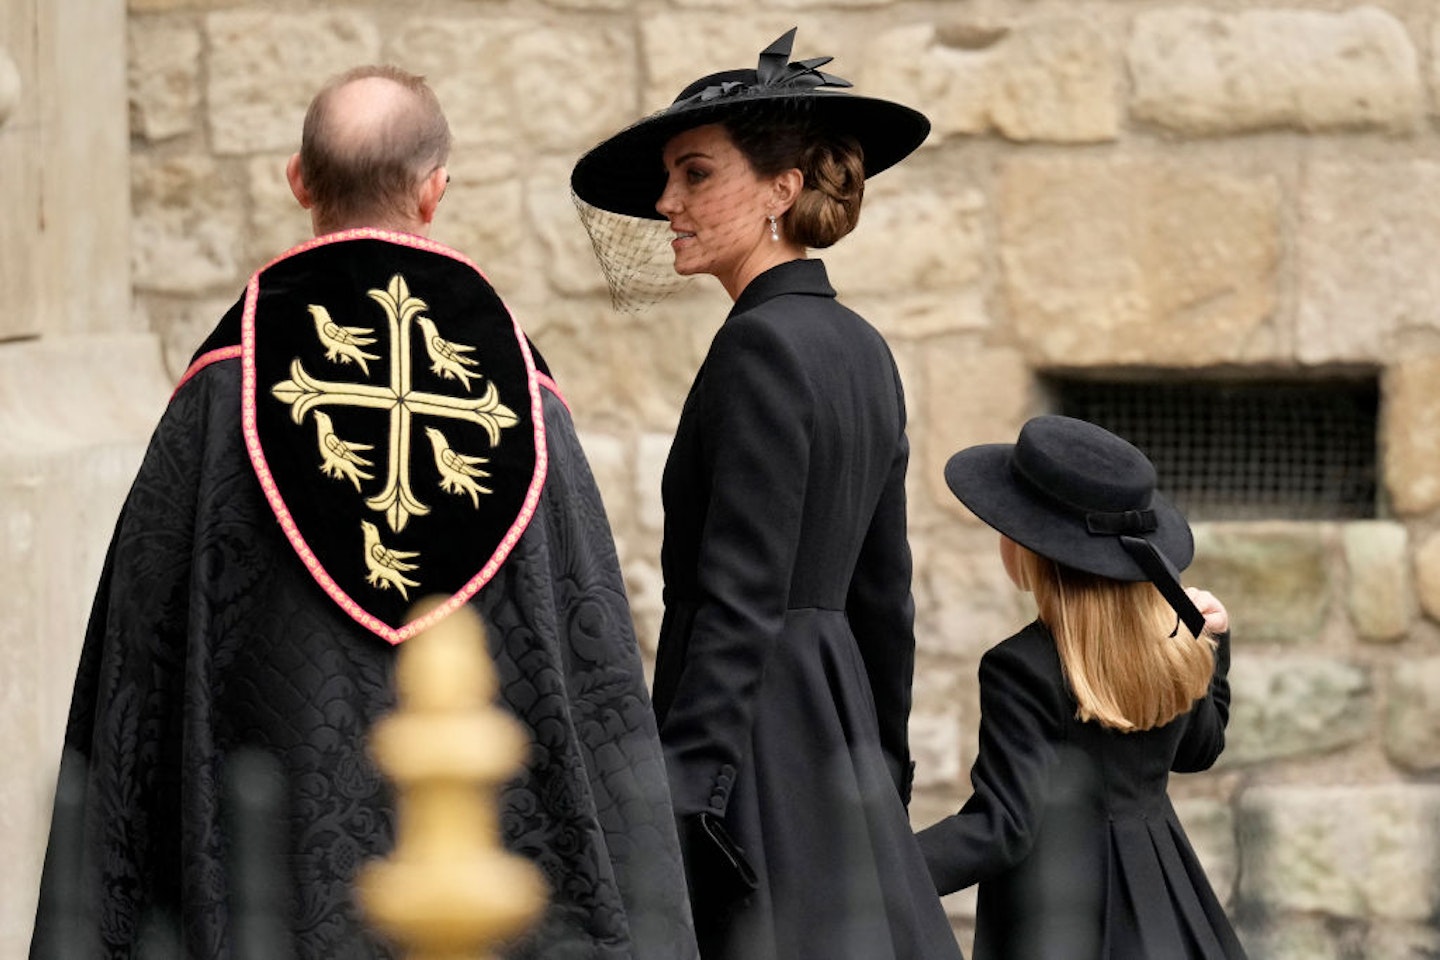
{"type": "Point", "coordinates": [1070, 832]}
{"type": "Point", "coordinates": [210, 639]}
{"type": "Point", "coordinates": [783, 675]}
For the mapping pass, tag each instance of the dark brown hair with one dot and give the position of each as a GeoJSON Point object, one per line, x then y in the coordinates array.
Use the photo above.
{"type": "Point", "coordinates": [833, 166]}
{"type": "Point", "coordinates": [354, 178]}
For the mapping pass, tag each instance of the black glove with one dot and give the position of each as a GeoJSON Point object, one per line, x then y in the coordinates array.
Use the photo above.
{"type": "Point", "coordinates": [715, 866]}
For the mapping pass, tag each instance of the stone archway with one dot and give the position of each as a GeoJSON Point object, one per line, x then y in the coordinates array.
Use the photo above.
{"type": "Point", "coordinates": [81, 384]}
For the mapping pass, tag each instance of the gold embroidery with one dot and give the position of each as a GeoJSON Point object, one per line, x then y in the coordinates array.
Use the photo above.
{"type": "Point", "coordinates": [447, 356]}
{"type": "Point", "coordinates": [387, 567]}
{"type": "Point", "coordinates": [340, 459]}
{"type": "Point", "coordinates": [343, 343]}
{"type": "Point", "coordinates": [457, 470]}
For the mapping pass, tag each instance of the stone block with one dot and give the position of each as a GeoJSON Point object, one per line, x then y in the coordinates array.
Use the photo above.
{"type": "Point", "coordinates": [277, 222]}
{"type": "Point", "coordinates": [1360, 853]}
{"type": "Point", "coordinates": [182, 324]}
{"type": "Point", "coordinates": [651, 455]}
{"type": "Point", "coordinates": [560, 102]}
{"type": "Point", "coordinates": [1273, 578]}
{"type": "Point", "coordinates": [1283, 707]}
{"type": "Point", "coordinates": [591, 4]}
{"type": "Point", "coordinates": [250, 110]}
{"type": "Point", "coordinates": [74, 416]}
{"type": "Point", "coordinates": [189, 225]}
{"type": "Point", "coordinates": [485, 219]}
{"type": "Point", "coordinates": [965, 603]}
{"type": "Point", "coordinates": [1119, 260]}
{"type": "Point", "coordinates": [1410, 433]}
{"type": "Point", "coordinates": [511, 81]}
{"type": "Point", "coordinates": [937, 723]}
{"type": "Point", "coordinates": [914, 236]}
{"type": "Point", "coordinates": [972, 394]}
{"type": "Point", "coordinates": [1201, 72]}
{"type": "Point", "coordinates": [680, 47]}
{"type": "Point", "coordinates": [1052, 79]}
{"type": "Point", "coordinates": [637, 371]}
{"type": "Point", "coordinates": [10, 86]}
{"type": "Point", "coordinates": [1401, 941]}
{"type": "Point", "coordinates": [1381, 595]}
{"type": "Point", "coordinates": [1427, 575]}
{"type": "Point", "coordinates": [645, 589]}
{"type": "Point", "coordinates": [831, 4]}
{"type": "Point", "coordinates": [1412, 715]}
{"type": "Point", "coordinates": [903, 316]}
{"type": "Point", "coordinates": [164, 78]}
{"type": "Point", "coordinates": [567, 253]}
{"type": "Point", "coordinates": [171, 6]}
{"type": "Point", "coordinates": [1367, 239]}
{"type": "Point", "coordinates": [609, 456]}
{"type": "Point", "coordinates": [1293, 937]}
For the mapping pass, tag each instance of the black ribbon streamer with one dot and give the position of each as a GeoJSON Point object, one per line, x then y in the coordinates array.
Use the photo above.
{"type": "Point", "coordinates": [1161, 572]}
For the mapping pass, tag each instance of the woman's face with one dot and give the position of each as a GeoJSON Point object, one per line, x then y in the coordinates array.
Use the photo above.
{"type": "Point", "coordinates": [718, 209]}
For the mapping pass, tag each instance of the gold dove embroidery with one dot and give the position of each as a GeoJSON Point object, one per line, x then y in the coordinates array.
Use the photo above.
{"type": "Point", "coordinates": [343, 344]}
{"type": "Point", "coordinates": [387, 567]}
{"type": "Point", "coordinates": [340, 458]}
{"type": "Point", "coordinates": [447, 357]}
{"type": "Point", "coordinates": [401, 402]}
{"type": "Point", "coordinates": [458, 471]}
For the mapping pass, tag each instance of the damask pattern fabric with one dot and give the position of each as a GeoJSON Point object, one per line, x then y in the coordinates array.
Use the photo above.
{"type": "Point", "coordinates": [208, 638]}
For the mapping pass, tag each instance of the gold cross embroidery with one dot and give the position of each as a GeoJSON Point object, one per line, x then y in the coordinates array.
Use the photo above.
{"type": "Point", "coordinates": [303, 393]}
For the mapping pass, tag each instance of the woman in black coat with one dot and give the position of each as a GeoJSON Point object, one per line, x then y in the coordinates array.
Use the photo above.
{"type": "Point", "coordinates": [783, 676]}
{"type": "Point", "coordinates": [1069, 833]}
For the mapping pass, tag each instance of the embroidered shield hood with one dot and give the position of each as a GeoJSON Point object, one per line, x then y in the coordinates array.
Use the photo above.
{"type": "Point", "coordinates": [392, 413]}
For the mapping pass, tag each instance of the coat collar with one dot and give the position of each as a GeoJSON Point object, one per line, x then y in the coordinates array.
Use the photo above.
{"type": "Point", "coordinates": [804, 276]}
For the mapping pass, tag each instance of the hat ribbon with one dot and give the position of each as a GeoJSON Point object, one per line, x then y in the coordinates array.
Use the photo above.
{"type": "Point", "coordinates": [1129, 526]}
{"type": "Point", "coordinates": [1160, 571]}
{"type": "Point", "coordinates": [1123, 522]}
{"type": "Point", "coordinates": [774, 72]}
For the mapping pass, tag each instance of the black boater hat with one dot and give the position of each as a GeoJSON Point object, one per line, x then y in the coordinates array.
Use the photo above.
{"type": "Point", "coordinates": [1078, 494]}
{"type": "Point", "coordinates": [625, 174]}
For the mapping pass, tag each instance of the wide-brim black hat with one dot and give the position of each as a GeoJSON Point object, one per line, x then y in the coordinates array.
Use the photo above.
{"type": "Point", "coordinates": [625, 174]}
{"type": "Point", "coordinates": [1080, 495]}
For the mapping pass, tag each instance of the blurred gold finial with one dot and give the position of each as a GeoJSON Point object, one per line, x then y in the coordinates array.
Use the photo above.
{"type": "Point", "coordinates": [449, 891]}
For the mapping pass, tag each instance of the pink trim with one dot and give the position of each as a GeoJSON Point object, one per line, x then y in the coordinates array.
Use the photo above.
{"type": "Point", "coordinates": [554, 388]}
{"type": "Point", "coordinates": [203, 361]}
{"type": "Point", "coordinates": [277, 502]}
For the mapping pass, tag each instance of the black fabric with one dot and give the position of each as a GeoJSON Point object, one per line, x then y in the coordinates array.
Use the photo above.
{"type": "Point", "coordinates": [454, 473]}
{"type": "Point", "coordinates": [1044, 490]}
{"type": "Point", "coordinates": [1070, 832]}
{"type": "Point", "coordinates": [1080, 495]}
{"type": "Point", "coordinates": [783, 676]}
{"type": "Point", "coordinates": [624, 173]}
{"type": "Point", "coordinates": [209, 639]}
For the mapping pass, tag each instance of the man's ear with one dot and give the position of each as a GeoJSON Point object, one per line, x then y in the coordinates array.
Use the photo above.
{"type": "Point", "coordinates": [297, 183]}
{"type": "Point", "coordinates": [431, 191]}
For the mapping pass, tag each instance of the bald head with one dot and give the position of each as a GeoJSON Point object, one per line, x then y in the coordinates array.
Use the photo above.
{"type": "Point", "coordinates": [373, 138]}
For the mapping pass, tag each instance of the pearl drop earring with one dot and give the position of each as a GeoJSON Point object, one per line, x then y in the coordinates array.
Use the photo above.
{"type": "Point", "coordinates": [774, 229]}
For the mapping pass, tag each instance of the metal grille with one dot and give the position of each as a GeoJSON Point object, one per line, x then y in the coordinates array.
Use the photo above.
{"type": "Point", "coordinates": [1245, 451]}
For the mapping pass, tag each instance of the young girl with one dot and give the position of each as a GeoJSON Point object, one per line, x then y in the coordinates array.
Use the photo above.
{"type": "Point", "coordinates": [1084, 713]}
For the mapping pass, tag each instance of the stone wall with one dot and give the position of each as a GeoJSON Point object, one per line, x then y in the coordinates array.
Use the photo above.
{"type": "Point", "coordinates": [1110, 183]}
{"type": "Point", "coordinates": [81, 384]}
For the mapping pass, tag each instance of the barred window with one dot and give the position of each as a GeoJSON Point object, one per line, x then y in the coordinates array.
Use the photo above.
{"type": "Point", "coordinates": [1248, 450]}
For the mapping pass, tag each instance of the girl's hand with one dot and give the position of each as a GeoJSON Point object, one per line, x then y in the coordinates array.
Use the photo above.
{"type": "Point", "coordinates": [1217, 619]}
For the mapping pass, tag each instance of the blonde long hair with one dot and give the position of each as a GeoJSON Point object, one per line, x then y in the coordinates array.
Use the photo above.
{"type": "Point", "coordinates": [1125, 669]}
